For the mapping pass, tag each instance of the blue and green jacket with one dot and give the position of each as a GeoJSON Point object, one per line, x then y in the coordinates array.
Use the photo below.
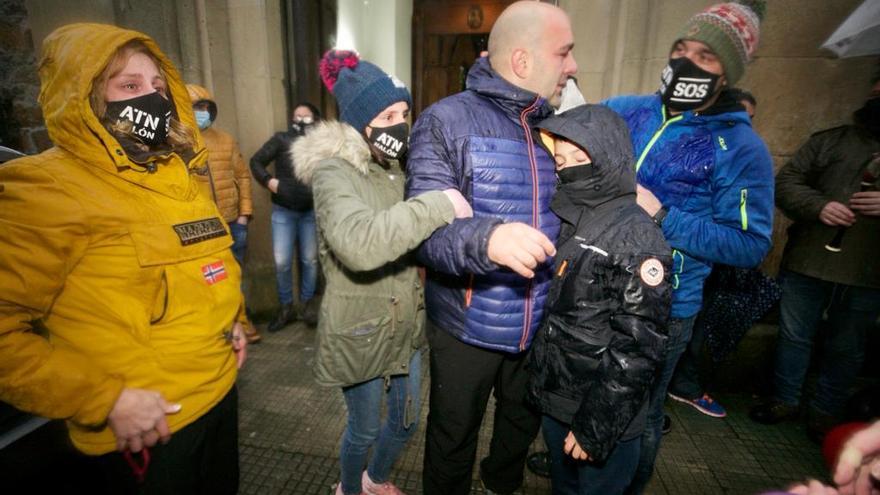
{"type": "Point", "coordinates": [715, 177]}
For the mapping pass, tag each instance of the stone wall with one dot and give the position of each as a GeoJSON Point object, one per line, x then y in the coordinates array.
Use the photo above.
{"type": "Point", "coordinates": [21, 121]}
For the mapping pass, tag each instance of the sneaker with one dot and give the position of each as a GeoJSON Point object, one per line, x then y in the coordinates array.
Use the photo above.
{"type": "Point", "coordinates": [772, 412]}
{"type": "Point", "coordinates": [339, 489]}
{"type": "Point", "coordinates": [371, 488]}
{"type": "Point", "coordinates": [287, 314]}
{"type": "Point", "coordinates": [704, 404]}
{"type": "Point", "coordinates": [539, 463]}
{"type": "Point", "coordinates": [667, 424]}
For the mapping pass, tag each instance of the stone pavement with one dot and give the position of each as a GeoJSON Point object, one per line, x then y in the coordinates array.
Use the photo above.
{"type": "Point", "coordinates": [291, 428]}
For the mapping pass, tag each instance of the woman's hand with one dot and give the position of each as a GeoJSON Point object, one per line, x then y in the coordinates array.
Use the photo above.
{"type": "Point", "coordinates": [239, 344]}
{"type": "Point", "coordinates": [138, 419]}
{"type": "Point", "coordinates": [273, 185]}
{"type": "Point", "coordinates": [573, 448]}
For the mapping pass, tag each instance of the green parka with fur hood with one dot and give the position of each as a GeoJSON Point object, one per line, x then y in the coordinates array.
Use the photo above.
{"type": "Point", "coordinates": [372, 315]}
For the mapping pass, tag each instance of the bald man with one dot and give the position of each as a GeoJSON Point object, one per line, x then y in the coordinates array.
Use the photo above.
{"type": "Point", "coordinates": [488, 275]}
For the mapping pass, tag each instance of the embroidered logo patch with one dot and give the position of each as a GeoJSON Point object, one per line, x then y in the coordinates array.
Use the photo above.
{"type": "Point", "coordinates": [214, 272]}
{"type": "Point", "coordinates": [651, 272]}
{"type": "Point", "coordinates": [200, 230]}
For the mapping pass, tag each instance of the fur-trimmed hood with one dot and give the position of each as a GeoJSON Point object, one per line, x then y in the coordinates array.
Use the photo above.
{"type": "Point", "coordinates": [328, 139]}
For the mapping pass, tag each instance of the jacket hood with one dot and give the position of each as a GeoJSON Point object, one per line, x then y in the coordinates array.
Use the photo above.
{"type": "Point", "coordinates": [483, 79]}
{"type": "Point", "coordinates": [73, 56]}
{"type": "Point", "coordinates": [328, 139]}
{"type": "Point", "coordinates": [605, 136]}
{"type": "Point", "coordinates": [199, 94]}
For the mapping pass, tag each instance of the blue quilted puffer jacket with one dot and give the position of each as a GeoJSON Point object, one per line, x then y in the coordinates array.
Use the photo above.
{"type": "Point", "coordinates": [480, 142]}
{"type": "Point", "coordinates": [715, 177]}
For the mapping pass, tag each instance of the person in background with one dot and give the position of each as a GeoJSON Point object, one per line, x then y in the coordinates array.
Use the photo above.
{"type": "Point", "coordinates": [594, 359]}
{"type": "Point", "coordinates": [830, 190]}
{"type": "Point", "coordinates": [370, 339]}
{"type": "Point", "coordinates": [227, 178]}
{"type": "Point", "coordinates": [705, 177]}
{"type": "Point", "coordinates": [293, 220]}
{"type": "Point", "coordinates": [109, 244]}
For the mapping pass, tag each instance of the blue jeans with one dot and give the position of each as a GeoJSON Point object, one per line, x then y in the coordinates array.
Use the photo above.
{"type": "Point", "coordinates": [239, 241]}
{"type": "Point", "coordinates": [288, 227]}
{"type": "Point", "coordinates": [364, 429]}
{"type": "Point", "coordinates": [851, 311]}
{"type": "Point", "coordinates": [679, 335]}
{"type": "Point", "coordinates": [571, 477]}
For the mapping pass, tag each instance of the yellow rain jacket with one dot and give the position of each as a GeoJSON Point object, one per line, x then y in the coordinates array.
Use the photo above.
{"type": "Point", "coordinates": [130, 272]}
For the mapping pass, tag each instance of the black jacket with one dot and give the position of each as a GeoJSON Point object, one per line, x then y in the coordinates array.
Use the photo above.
{"type": "Point", "coordinates": [595, 356]}
{"type": "Point", "coordinates": [292, 193]}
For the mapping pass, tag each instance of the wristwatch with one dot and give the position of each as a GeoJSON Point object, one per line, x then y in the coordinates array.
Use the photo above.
{"type": "Point", "coordinates": [660, 216]}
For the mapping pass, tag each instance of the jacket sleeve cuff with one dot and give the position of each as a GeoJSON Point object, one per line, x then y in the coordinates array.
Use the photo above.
{"type": "Point", "coordinates": [98, 406]}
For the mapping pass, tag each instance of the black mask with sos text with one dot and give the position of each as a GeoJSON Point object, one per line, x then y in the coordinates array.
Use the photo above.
{"type": "Point", "coordinates": [150, 116]}
{"type": "Point", "coordinates": [685, 86]}
{"type": "Point", "coordinates": [391, 141]}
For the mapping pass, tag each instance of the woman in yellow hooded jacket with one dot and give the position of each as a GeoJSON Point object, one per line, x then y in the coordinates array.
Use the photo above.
{"type": "Point", "coordinates": [107, 243]}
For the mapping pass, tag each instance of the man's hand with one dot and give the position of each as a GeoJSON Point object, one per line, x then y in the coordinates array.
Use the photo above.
{"type": "Point", "coordinates": [519, 247]}
{"type": "Point", "coordinates": [866, 203]}
{"type": "Point", "coordinates": [462, 207]}
{"type": "Point", "coordinates": [573, 448]}
{"type": "Point", "coordinates": [646, 199]}
{"type": "Point", "coordinates": [836, 214]}
{"type": "Point", "coordinates": [242, 220]}
{"type": "Point", "coordinates": [239, 344]}
{"type": "Point", "coordinates": [273, 185]}
{"type": "Point", "coordinates": [138, 419]}
{"type": "Point", "coordinates": [858, 467]}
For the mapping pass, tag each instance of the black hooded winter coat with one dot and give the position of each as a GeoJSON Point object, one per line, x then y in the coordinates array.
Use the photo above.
{"type": "Point", "coordinates": [595, 356]}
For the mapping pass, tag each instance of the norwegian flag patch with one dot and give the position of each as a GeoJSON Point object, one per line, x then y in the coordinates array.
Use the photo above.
{"type": "Point", "coordinates": [214, 272]}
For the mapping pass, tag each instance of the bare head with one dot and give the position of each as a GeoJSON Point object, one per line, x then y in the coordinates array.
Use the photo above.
{"type": "Point", "coordinates": [530, 47]}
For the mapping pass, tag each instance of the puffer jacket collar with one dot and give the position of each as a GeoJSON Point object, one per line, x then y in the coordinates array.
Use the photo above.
{"type": "Point", "coordinates": [329, 139]}
{"type": "Point", "coordinates": [483, 80]}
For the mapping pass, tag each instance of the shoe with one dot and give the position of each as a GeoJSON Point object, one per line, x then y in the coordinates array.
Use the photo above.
{"type": "Point", "coordinates": [819, 424]}
{"type": "Point", "coordinates": [339, 489]}
{"type": "Point", "coordinates": [772, 412]}
{"type": "Point", "coordinates": [251, 334]}
{"type": "Point", "coordinates": [286, 315]}
{"type": "Point", "coordinates": [310, 313]}
{"type": "Point", "coordinates": [539, 463]}
{"type": "Point", "coordinates": [370, 487]}
{"type": "Point", "coordinates": [704, 404]}
{"type": "Point", "coordinates": [667, 424]}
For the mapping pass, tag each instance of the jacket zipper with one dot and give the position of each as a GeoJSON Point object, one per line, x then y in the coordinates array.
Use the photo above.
{"type": "Point", "coordinates": [743, 203]}
{"type": "Point", "coordinates": [656, 136]}
{"type": "Point", "coordinates": [533, 164]}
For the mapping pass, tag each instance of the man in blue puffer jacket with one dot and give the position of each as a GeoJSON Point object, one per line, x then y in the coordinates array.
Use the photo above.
{"type": "Point", "coordinates": [482, 314]}
{"type": "Point", "coordinates": [704, 176]}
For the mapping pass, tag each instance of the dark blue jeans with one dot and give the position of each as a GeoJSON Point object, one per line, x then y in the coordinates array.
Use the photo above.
{"type": "Point", "coordinates": [291, 227]}
{"type": "Point", "coordinates": [572, 477]}
{"type": "Point", "coordinates": [851, 312]}
{"type": "Point", "coordinates": [365, 430]}
{"type": "Point", "coordinates": [679, 335]}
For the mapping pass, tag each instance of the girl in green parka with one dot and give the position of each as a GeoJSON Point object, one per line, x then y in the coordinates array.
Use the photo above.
{"type": "Point", "coordinates": [371, 318]}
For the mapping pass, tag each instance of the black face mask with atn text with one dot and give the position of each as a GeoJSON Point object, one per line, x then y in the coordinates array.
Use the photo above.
{"type": "Point", "coordinates": [685, 86]}
{"type": "Point", "coordinates": [391, 141]}
{"type": "Point", "coordinates": [150, 116]}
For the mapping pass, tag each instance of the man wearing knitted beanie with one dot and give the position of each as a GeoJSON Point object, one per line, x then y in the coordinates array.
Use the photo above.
{"type": "Point", "coordinates": [706, 178]}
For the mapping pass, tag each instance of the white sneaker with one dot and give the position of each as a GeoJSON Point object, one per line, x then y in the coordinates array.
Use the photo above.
{"type": "Point", "coordinates": [371, 488]}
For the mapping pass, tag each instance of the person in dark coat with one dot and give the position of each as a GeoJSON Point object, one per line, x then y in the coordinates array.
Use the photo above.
{"type": "Point", "coordinates": [293, 220]}
{"type": "Point", "coordinates": [595, 356]}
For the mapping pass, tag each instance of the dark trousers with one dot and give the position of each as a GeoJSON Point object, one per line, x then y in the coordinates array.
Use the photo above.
{"type": "Point", "coordinates": [202, 458]}
{"type": "Point", "coordinates": [573, 477]}
{"type": "Point", "coordinates": [462, 378]}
